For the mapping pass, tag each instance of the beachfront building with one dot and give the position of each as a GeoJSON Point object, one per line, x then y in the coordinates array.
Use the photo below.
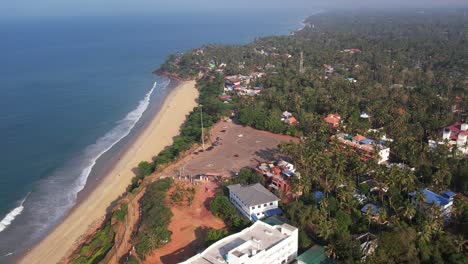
{"type": "Point", "coordinates": [366, 147]}
{"type": "Point", "coordinates": [260, 243]}
{"type": "Point", "coordinates": [253, 201]}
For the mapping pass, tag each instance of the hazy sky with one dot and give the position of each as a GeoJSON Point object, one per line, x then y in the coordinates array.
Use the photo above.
{"type": "Point", "coordinates": [33, 8]}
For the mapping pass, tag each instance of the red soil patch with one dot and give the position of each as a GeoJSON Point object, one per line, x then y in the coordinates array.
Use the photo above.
{"type": "Point", "coordinates": [188, 226]}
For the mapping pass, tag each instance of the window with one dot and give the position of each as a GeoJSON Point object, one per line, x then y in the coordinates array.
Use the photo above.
{"type": "Point", "coordinates": [259, 206]}
{"type": "Point", "coordinates": [271, 203]}
{"type": "Point", "coordinates": [253, 207]}
{"type": "Point", "coordinates": [264, 205]}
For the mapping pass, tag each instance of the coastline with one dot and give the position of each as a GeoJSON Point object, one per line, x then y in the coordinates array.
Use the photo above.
{"type": "Point", "coordinates": [91, 209]}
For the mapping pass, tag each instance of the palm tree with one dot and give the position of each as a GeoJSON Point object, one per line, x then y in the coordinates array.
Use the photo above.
{"type": "Point", "coordinates": [461, 243]}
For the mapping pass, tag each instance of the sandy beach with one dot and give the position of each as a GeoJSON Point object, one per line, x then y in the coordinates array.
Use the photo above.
{"type": "Point", "coordinates": [158, 134]}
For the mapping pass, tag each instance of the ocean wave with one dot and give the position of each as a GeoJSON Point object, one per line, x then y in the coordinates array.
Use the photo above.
{"type": "Point", "coordinates": [6, 221]}
{"type": "Point", "coordinates": [114, 136]}
{"type": "Point", "coordinates": [55, 195]}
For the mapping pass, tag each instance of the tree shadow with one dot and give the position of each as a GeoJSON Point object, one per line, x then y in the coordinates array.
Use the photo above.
{"type": "Point", "coordinates": [189, 250]}
{"type": "Point", "coordinates": [268, 153]}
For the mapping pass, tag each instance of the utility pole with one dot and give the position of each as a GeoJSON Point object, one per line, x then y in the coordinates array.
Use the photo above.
{"type": "Point", "coordinates": [201, 121]}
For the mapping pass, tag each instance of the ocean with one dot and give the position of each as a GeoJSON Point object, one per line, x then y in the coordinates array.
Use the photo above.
{"type": "Point", "coordinates": [75, 91]}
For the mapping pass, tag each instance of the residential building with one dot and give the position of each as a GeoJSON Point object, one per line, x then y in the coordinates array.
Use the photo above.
{"type": "Point", "coordinates": [253, 201]}
{"type": "Point", "coordinates": [289, 119]}
{"type": "Point", "coordinates": [260, 243]}
{"type": "Point", "coordinates": [443, 201]}
{"type": "Point", "coordinates": [373, 211]}
{"type": "Point", "coordinates": [333, 120]}
{"type": "Point", "coordinates": [457, 135]}
{"type": "Point", "coordinates": [366, 147]}
{"type": "Point", "coordinates": [368, 242]}
{"type": "Point", "coordinates": [278, 174]}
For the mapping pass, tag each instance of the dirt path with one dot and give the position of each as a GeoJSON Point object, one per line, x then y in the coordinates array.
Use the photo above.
{"type": "Point", "coordinates": [189, 225]}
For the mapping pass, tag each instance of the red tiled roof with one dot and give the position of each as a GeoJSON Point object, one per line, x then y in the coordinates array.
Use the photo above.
{"type": "Point", "coordinates": [359, 137]}
{"type": "Point", "coordinates": [333, 119]}
{"type": "Point", "coordinates": [292, 120]}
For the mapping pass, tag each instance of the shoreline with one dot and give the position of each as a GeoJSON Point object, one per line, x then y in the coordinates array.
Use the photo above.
{"type": "Point", "coordinates": [90, 210]}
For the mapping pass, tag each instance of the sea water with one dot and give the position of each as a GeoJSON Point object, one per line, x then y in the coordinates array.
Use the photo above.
{"type": "Point", "coordinates": [73, 93]}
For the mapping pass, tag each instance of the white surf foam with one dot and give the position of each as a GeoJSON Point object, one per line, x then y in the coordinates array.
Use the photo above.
{"type": "Point", "coordinates": [114, 136]}
{"type": "Point", "coordinates": [6, 221]}
{"type": "Point", "coordinates": [57, 194]}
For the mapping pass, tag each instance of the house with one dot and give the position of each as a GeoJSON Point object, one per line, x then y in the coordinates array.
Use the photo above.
{"type": "Point", "coordinates": [352, 51]}
{"type": "Point", "coordinates": [457, 135]}
{"type": "Point", "coordinates": [443, 201]}
{"type": "Point", "coordinates": [289, 119]}
{"type": "Point", "coordinates": [351, 80]}
{"type": "Point", "coordinates": [373, 211]}
{"type": "Point", "coordinates": [364, 115]}
{"type": "Point", "coordinates": [329, 69]}
{"type": "Point", "coordinates": [286, 115]}
{"type": "Point", "coordinates": [292, 121]}
{"type": "Point", "coordinates": [367, 148]}
{"type": "Point", "coordinates": [278, 174]}
{"type": "Point", "coordinates": [368, 242]}
{"type": "Point", "coordinates": [254, 201]}
{"type": "Point", "coordinates": [260, 243]}
{"type": "Point", "coordinates": [375, 186]}
{"type": "Point", "coordinates": [333, 120]}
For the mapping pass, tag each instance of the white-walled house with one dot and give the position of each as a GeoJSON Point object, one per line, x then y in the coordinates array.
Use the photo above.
{"type": "Point", "coordinates": [260, 243]}
{"type": "Point", "coordinates": [253, 201]}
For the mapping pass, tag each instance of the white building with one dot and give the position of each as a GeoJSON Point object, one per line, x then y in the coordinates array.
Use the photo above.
{"type": "Point", "coordinates": [253, 201]}
{"type": "Point", "coordinates": [260, 243]}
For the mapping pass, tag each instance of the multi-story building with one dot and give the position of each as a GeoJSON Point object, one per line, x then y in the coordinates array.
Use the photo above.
{"type": "Point", "coordinates": [253, 201]}
{"type": "Point", "coordinates": [260, 243]}
{"type": "Point", "coordinates": [278, 174]}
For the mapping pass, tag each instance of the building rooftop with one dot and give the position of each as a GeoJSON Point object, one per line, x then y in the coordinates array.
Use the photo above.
{"type": "Point", "coordinates": [256, 238]}
{"type": "Point", "coordinates": [314, 255]}
{"type": "Point", "coordinates": [372, 208]}
{"type": "Point", "coordinates": [432, 197]}
{"type": "Point", "coordinates": [253, 194]}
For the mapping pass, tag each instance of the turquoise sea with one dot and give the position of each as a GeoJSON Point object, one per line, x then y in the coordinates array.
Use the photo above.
{"type": "Point", "coordinates": [75, 91]}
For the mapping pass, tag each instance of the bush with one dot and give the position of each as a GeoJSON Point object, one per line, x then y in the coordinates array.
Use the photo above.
{"type": "Point", "coordinates": [155, 218]}
{"type": "Point", "coordinates": [94, 251]}
{"type": "Point", "coordinates": [214, 235]}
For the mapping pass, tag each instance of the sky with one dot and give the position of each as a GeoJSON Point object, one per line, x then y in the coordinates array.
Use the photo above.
{"type": "Point", "coordinates": [50, 8]}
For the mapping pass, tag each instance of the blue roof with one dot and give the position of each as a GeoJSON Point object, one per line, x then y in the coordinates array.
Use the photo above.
{"type": "Point", "coordinates": [372, 207]}
{"type": "Point", "coordinates": [366, 141]}
{"type": "Point", "coordinates": [432, 197]}
{"type": "Point", "coordinates": [289, 173]}
{"type": "Point", "coordinates": [318, 195]}
{"type": "Point", "coordinates": [448, 194]}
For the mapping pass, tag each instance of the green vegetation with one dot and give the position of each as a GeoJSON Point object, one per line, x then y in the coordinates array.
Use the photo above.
{"type": "Point", "coordinates": [183, 195]}
{"type": "Point", "coordinates": [95, 251]}
{"type": "Point", "coordinates": [411, 76]}
{"type": "Point", "coordinates": [155, 218]}
{"type": "Point", "coordinates": [121, 212]}
{"type": "Point", "coordinates": [210, 87]}
{"type": "Point", "coordinates": [223, 208]}
{"type": "Point", "coordinates": [214, 235]}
